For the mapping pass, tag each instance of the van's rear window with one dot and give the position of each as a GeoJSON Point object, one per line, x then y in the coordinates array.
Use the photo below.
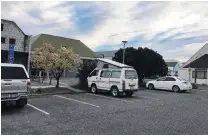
{"type": "Point", "coordinates": [130, 74]}
{"type": "Point", "coordinates": [13, 73]}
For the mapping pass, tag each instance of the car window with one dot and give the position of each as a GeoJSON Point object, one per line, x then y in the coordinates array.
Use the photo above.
{"type": "Point", "coordinates": [130, 74]}
{"type": "Point", "coordinates": [161, 79]}
{"type": "Point", "coordinates": [170, 79]}
{"type": "Point", "coordinates": [13, 73]}
{"type": "Point", "coordinates": [94, 73]}
{"type": "Point", "coordinates": [105, 74]}
{"type": "Point", "coordinates": [115, 74]}
{"type": "Point", "coordinates": [181, 79]}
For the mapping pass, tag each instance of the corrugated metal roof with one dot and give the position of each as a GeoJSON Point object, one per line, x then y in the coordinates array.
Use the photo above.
{"type": "Point", "coordinates": [106, 53]}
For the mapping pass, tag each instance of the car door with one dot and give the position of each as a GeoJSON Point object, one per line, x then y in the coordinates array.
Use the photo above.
{"type": "Point", "coordinates": [131, 79]}
{"type": "Point", "coordinates": [169, 83]}
{"type": "Point", "coordinates": [115, 79]}
{"type": "Point", "coordinates": [159, 83]}
{"type": "Point", "coordinates": [103, 82]}
{"type": "Point", "coordinates": [93, 77]}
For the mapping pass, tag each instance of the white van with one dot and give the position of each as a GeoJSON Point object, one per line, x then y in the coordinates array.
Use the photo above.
{"type": "Point", "coordinates": [15, 83]}
{"type": "Point", "coordinates": [121, 81]}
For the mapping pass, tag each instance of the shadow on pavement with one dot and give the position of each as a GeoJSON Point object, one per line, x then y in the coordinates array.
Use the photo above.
{"type": "Point", "coordinates": [9, 108]}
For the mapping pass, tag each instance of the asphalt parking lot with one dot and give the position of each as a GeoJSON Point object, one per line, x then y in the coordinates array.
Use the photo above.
{"type": "Point", "coordinates": [148, 112]}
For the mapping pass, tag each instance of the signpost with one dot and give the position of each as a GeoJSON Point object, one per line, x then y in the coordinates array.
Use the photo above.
{"type": "Point", "coordinates": [11, 54]}
{"type": "Point", "coordinates": [189, 70]}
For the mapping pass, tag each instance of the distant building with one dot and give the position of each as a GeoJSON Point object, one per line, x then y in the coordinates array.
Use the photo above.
{"type": "Point", "coordinates": [198, 65]}
{"type": "Point", "coordinates": [12, 34]}
{"type": "Point", "coordinates": [106, 54]}
{"type": "Point", "coordinates": [173, 67]}
{"type": "Point", "coordinates": [77, 46]}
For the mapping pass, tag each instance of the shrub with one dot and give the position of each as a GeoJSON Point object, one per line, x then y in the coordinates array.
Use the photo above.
{"type": "Point", "coordinates": [194, 86]}
{"type": "Point", "coordinates": [86, 68]}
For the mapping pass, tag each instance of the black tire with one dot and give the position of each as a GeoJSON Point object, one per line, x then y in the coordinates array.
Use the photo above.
{"type": "Point", "coordinates": [176, 89]}
{"type": "Point", "coordinates": [129, 94]}
{"type": "Point", "coordinates": [115, 92]}
{"type": "Point", "coordinates": [151, 87]}
{"type": "Point", "coordinates": [93, 89]}
{"type": "Point", "coordinates": [21, 102]}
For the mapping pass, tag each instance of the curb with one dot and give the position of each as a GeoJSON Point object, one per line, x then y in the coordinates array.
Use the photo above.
{"type": "Point", "coordinates": [57, 93]}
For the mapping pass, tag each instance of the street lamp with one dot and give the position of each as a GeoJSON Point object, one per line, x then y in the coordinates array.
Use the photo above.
{"type": "Point", "coordinates": [124, 50]}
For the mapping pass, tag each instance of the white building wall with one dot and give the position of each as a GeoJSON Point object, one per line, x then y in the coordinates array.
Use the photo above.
{"type": "Point", "coordinates": [183, 73]}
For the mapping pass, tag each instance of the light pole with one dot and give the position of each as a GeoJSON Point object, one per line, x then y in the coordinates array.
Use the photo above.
{"type": "Point", "coordinates": [124, 50]}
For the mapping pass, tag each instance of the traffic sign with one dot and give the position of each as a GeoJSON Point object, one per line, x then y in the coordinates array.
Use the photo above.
{"type": "Point", "coordinates": [189, 69]}
{"type": "Point", "coordinates": [11, 54]}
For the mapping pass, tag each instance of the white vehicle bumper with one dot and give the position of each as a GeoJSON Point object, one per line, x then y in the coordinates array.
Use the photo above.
{"type": "Point", "coordinates": [186, 87]}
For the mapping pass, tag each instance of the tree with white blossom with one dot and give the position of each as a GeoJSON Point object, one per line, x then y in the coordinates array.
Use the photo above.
{"type": "Point", "coordinates": [56, 60]}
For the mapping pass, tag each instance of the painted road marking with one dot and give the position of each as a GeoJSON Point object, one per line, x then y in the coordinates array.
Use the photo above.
{"type": "Point", "coordinates": [149, 98]}
{"type": "Point", "coordinates": [203, 90]}
{"type": "Point", "coordinates": [70, 99]}
{"type": "Point", "coordinates": [110, 98]}
{"type": "Point", "coordinates": [38, 109]}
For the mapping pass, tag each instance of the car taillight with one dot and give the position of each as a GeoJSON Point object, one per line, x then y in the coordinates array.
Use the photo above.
{"type": "Point", "coordinates": [28, 85]}
{"type": "Point", "coordinates": [123, 84]}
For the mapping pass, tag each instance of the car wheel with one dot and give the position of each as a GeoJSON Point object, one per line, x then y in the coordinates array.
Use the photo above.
{"type": "Point", "coordinates": [115, 92]}
{"type": "Point", "coordinates": [21, 102]}
{"type": "Point", "coordinates": [176, 89]}
{"type": "Point", "coordinates": [94, 89]}
{"type": "Point", "coordinates": [129, 94]}
{"type": "Point", "coordinates": [151, 86]}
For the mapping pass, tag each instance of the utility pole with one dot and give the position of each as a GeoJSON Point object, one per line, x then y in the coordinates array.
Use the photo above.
{"type": "Point", "coordinates": [124, 50]}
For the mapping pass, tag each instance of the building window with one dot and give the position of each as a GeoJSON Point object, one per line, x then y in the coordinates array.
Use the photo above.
{"type": "Point", "coordinates": [12, 41]}
{"type": "Point", "coordinates": [199, 74]}
{"type": "Point", "coordinates": [2, 27]}
{"type": "Point", "coordinates": [3, 40]}
{"type": "Point", "coordinates": [63, 46]}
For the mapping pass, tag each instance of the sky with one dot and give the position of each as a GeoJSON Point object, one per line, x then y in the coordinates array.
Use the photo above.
{"type": "Point", "coordinates": [176, 30]}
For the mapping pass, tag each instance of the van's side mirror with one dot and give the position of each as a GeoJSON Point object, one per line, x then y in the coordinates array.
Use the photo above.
{"type": "Point", "coordinates": [89, 75]}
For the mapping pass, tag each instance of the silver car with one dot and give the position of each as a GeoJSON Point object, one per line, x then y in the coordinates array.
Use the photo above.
{"type": "Point", "coordinates": [15, 83]}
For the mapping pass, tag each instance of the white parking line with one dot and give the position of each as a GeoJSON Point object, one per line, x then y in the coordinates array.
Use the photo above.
{"type": "Point", "coordinates": [203, 90]}
{"type": "Point", "coordinates": [110, 98]}
{"type": "Point", "coordinates": [76, 100]}
{"type": "Point", "coordinates": [149, 98]}
{"type": "Point", "coordinates": [38, 109]}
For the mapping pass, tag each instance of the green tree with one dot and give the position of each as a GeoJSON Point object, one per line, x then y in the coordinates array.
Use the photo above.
{"type": "Point", "coordinates": [83, 72]}
{"type": "Point", "coordinates": [146, 61]}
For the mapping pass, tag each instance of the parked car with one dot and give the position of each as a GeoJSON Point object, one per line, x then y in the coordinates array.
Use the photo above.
{"type": "Point", "coordinates": [15, 83]}
{"type": "Point", "coordinates": [173, 83]}
{"type": "Point", "coordinates": [151, 78]}
{"type": "Point", "coordinates": [122, 81]}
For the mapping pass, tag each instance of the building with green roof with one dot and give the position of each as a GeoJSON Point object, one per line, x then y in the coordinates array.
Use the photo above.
{"type": "Point", "coordinates": [77, 46]}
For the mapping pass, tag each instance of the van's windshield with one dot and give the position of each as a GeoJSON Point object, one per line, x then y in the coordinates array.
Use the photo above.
{"type": "Point", "coordinates": [13, 73]}
{"type": "Point", "coordinates": [130, 74]}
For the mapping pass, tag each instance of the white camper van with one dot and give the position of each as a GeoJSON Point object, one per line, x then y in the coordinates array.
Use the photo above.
{"type": "Point", "coordinates": [118, 81]}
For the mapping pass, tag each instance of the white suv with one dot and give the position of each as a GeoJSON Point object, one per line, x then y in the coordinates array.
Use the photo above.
{"type": "Point", "coordinates": [117, 81]}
